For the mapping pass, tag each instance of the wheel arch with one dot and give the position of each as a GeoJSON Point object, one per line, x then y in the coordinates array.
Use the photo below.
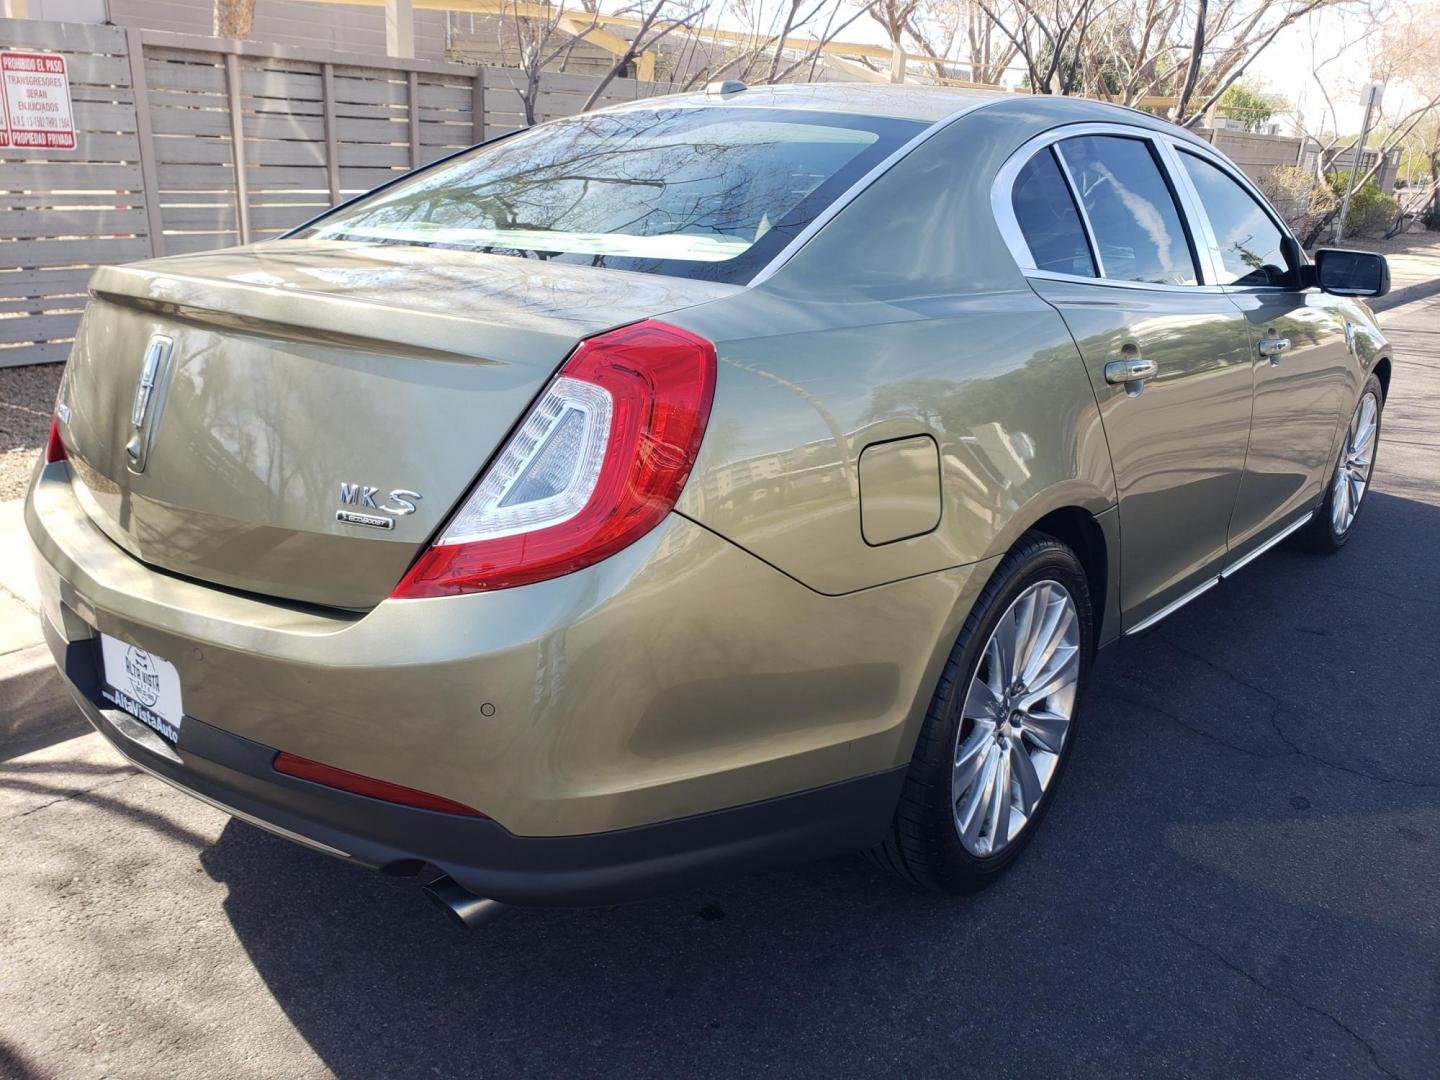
{"type": "Point", "coordinates": [1086, 519]}
{"type": "Point", "coordinates": [1077, 516]}
{"type": "Point", "coordinates": [1081, 531]}
{"type": "Point", "coordinates": [1382, 372]}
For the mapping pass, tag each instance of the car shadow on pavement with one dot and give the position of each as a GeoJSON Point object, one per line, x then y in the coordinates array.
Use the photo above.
{"type": "Point", "coordinates": [16, 1066]}
{"type": "Point", "coordinates": [54, 731]}
{"type": "Point", "coordinates": [1239, 877]}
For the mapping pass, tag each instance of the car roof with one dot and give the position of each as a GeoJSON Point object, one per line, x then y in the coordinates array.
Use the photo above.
{"type": "Point", "coordinates": [900, 102]}
{"type": "Point", "coordinates": [927, 104]}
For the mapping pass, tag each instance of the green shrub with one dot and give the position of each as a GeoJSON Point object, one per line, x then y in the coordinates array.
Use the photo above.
{"type": "Point", "coordinates": [1371, 210]}
{"type": "Point", "coordinates": [1250, 105]}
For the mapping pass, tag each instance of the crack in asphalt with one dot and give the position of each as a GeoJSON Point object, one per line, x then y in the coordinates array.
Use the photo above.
{"type": "Point", "coordinates": [6, 593]}
{"type": "Point", "coordinates": [25, 409]}
{"type": "Point", "coordinates": [1278, 705]}
{"type": "Point", "coordinates": [1180, 721]}
{"type": "Point", "coordinates": [76, 794]}
{"type": "Point", "coordinates": [1285, 994]}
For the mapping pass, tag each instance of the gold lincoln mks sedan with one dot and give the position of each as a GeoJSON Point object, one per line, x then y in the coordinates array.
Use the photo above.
{"type": "Point", "coordinates": [693, 485]}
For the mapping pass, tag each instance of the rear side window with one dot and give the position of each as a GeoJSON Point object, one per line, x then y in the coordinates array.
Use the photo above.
{"type": "Point", "coordinates": [696, 192]}
{"type": "Point", "coordinates": [1048, 219]}
{"type": "Point", "coordinates": [1132, 212]}
{"type": "Point", "coordinates": [1249, 239]}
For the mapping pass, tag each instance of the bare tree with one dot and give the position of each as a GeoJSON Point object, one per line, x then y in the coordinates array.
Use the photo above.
{"type": "Point", "coordinates": [989, 54]}
{"type": "Point", "coordinates": [540, 41]}
{"type": "Point", "coordinates": [1049, 36]}
{"type": "Point", "coordinates": [656, 23]}
{"type": "Point", "coordinates": [763, 57]}
{"type": "Point", "coordinates": [1325, 135]}
{"type": "Point", "coordinates": [1402, 40]}
{"type": "Point", "coordinates": [810, 55]}
{"type": "Point", "coordinates": [1404, 126]}
{"type": "Point", "coordinates": [1126, 50]}
{"type": "Point", "coordinates": [1241, 30]}
{"type": "Point", "coordinates": [934, 26]}
{"type": "Point", "coordinates": [792, 13]}
{"type": "Point", "coordinates": [1197, 58]}
{"type": "Point", "coordinates": [894, 17]}
{"type": "Point", "coordinates": [1405, 62]}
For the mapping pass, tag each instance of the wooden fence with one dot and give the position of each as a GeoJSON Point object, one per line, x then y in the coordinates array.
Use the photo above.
{"type": "Point", "coordinates": [185, 143]}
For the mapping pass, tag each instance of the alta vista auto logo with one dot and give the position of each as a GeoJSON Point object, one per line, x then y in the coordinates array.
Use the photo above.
{"type": "Point", "coordinates": [144, 679]}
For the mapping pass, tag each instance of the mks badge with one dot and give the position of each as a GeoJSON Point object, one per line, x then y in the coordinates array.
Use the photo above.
{"type": "Point", "coordinates": [398, 503]}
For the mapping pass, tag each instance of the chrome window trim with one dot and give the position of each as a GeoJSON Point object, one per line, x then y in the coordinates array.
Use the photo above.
{"type": "Point", "coordinates": [1068, 179]}
{"type": "Point", "coordinates": [1116, 283]}
{"type": "Point", "coordinates": [1202, 233]}
{"type": "Point", "coordinates": [853, 192]}
{"type": "Point", "coordinates": [1167, 146]}
{"type": "Point", "coordinates": [1214, 157]}
{"type": "Point", "coordinates": [1003, 188]}
{"type": "Point", "coordinates": [1206, 153]}
{"type": "Point", "coordinates": [1003, 209]}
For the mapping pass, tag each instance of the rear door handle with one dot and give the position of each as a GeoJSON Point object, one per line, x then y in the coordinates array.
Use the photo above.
{"type": "Point", "coordinates": [1273, 347]}
{"type": "Point", "coordinates": [1132, 372]}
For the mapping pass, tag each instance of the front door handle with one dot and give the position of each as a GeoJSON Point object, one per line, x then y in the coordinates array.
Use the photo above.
{"type": "Point", "coordinates": [1273, 347]}
{"type": "Point", "coordinates": [1132, 372]}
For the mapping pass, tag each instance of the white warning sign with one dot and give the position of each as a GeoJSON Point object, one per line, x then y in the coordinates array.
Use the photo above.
{"type": "Point", "coordinates": [35, 95]}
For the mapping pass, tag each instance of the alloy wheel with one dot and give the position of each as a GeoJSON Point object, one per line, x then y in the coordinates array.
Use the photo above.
{"type": "Point", "coordinates": [1352, 474]}
{"type": "Point", "coordinates": [1016, 718]}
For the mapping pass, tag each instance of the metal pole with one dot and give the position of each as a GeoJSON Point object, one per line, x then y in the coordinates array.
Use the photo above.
{"type": "Point", "coordinates": [149, 175]}
{"type": "Point", "coordinates": [1370, 100]}
{"type": "Point", "coordinates": [332, 141]}
{"type": "Point", "coordinates": [413, 88]}
{"type": "Point", "coordinates": [237, 147]}
{"type": "Point", "coordinates": [477, 107]}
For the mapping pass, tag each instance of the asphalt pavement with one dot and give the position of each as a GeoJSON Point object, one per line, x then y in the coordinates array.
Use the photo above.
{"type": "Point", "coordinates": [1239, 877]}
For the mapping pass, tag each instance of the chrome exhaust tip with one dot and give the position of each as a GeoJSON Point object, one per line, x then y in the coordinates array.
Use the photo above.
{"type": "Point", "coordinates": [460, 903]}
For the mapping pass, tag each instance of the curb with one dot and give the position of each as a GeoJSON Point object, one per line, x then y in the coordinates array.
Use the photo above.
{"type": "Point", "coordinates": [33, 697]}
{"type": "Point", "coordinates": [1420, 290]}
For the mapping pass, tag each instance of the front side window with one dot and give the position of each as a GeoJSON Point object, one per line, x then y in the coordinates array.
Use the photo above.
{"type": "Point", "coordinates": [1048, 219]}
{"type": "Point", "coordinates": [1133, 215]}
{"type": "Point", "coordinates": [1250, 241]}
{"type": "Point", "coordinates": [695, 192]}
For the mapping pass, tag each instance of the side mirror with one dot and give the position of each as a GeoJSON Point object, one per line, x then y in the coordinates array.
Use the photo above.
{"type": "Point", "coordinates": [1352, 273]}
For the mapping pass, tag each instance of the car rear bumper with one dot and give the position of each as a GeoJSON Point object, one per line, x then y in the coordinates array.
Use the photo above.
{"type": "Point", "coordinates": [681, 705]}
{"type": "Point", "coordinates": [237, 776]}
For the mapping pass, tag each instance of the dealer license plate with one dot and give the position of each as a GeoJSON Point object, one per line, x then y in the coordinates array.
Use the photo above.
{"type": "Point", "coordinates": [142, 684]}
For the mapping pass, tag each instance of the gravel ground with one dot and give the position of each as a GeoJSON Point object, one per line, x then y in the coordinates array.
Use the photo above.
{"type": "Point", "coordinates": [27, 396]}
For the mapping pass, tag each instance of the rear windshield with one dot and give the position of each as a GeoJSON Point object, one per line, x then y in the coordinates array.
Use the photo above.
{"type": "Point", "coordinates": [696, 192]}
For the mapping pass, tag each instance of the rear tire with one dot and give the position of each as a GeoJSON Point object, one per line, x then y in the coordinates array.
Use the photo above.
{"type": "Point", "coordinates": [994, 703]}
{"type": "Point", "coordinates": [1349, 481]}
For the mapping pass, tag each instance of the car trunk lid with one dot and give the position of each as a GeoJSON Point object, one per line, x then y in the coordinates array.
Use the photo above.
{"type": "Point", "coordinates": [263, 418]}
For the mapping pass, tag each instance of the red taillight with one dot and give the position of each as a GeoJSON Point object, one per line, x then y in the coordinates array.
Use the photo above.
{"type": "Point", "coordinates": [318, 773]}
{"type": "Point", "coordinates": [54, 448]}
{"type": "Point", "coordinates": [598, 462]}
